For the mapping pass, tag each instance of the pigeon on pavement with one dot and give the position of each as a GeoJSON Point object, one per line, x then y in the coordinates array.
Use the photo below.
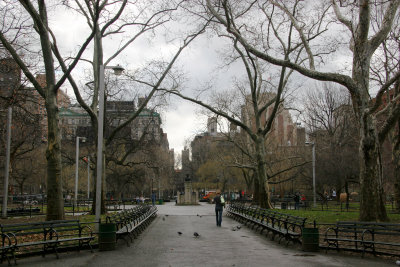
{"type": "Point", "coordinates": [179, 233]}
{"type": "Point", "coordinates": [196, 234]}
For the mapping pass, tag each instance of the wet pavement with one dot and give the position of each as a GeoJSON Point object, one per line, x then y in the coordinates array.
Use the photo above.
{"type": "Point", "coordinates": [161, 245]}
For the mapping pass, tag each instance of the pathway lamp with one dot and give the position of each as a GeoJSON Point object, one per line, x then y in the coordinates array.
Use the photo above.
{"type": "Point", "coordinates": [77, 167]}
{"type": "Point", "coordinates": [99, 170]}
{"type": "Point", "coordinates": [7, 163]}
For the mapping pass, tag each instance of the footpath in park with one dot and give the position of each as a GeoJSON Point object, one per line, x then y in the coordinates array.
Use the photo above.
{"type": "Point", "coordinates": [161, 245]}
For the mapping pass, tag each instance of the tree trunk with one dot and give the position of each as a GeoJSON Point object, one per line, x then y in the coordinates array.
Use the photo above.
{"type": "Point", "coordinates": [346, 189]}
{"type": "Point", "coordinates": [396, 162]}
{"type": "Point", "coordinates": [372, 203]}
{"type": "Point", "coordinates": [55, 202]}
{"type": "Point", "coordinates": [263, 190]}
{"type": "Point", "coordinates": [256, 194]}
{"type": "Point", "coordinates": [372, 206]}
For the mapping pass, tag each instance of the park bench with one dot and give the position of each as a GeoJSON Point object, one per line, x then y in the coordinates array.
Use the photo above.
{"type": "Point", "coordinates": [23, 211]}
{"type": "Point", "coordinates": [239, 211]}
{"type": "Point", "coordinates": [46, 236]}
{"type": "Point", "coordinates": [131, 222]}
{"type": "Point", "coordinates": [286, 226]}
{"type": "Point", "coordinates": [372, 237]}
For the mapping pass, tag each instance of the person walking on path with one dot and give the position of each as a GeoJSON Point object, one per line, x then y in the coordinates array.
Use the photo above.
{"type": "Point", "coordinates": [219, 205]}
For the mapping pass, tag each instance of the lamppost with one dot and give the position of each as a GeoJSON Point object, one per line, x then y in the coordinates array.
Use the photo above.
{"type": "Point", "coordinates": [88, 177]}
{"type": "Point", "coordinates": [313, 171]}
{"type": "Point", "coordinates": [7, 166]}
{"type": "Point", "coordinates": [77, 167]}
{"type": "Point", "coordinates": [100, 124]}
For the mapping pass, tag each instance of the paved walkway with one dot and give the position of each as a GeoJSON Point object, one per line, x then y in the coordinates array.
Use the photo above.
{"type": "Point", "coordinates": [161, 245]}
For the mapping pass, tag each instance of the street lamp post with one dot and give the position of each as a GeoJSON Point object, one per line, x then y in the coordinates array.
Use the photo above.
{"type": "Point", "coordinates": [100, 124]}
{"type": "Point", "coordinates": [313, 171]}
{"type": "Point", "coordinates": [7, 166]}
{"type": "Point", "coordinates": [88, 177]}
{"type": "Point", "coordinates": [77, 168]}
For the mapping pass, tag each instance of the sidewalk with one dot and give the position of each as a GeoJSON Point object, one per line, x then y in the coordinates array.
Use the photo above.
{"type": "Point", "coordinates": [161, 245]}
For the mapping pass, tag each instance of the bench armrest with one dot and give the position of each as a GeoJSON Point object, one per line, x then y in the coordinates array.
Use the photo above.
{"type": "Point", "coordinates": [365, 233]}
{"type": "Point", "coordinates": [90, 231]}
{"type": "Point", "coordinates": [6, 236]}
{"type": "Point", "coordinates": [329, 230]}
{"type": "Point", "coordinates": [51, 233]}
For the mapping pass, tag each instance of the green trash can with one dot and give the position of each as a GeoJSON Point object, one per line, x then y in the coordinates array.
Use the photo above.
{"type": "Point", "coordinates": [107, 236]}
{"type": "Point", "coordinates": [160, 202]}
{"type": "Point", "coordinates": [310, 239]}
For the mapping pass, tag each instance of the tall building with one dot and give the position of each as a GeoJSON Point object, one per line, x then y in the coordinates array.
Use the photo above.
{"type": "Point", "coordinates": [284, 130]}
{"type": "Point", "coordinates": [27, 97]}
{"type": "Point", "coordinates": [147, 126]}
{"type": "Point", "coordinates": [212, 124]}
{"type": "Point", "coordinates": [10, 77]}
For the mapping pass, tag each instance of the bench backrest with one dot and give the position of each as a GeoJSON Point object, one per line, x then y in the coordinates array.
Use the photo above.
{"type": "Point", "coordinates": [376, 228]}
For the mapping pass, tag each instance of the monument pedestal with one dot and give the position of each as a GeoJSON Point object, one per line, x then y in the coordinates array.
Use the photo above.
{"type": "Point", "coordinates": [189, 197]}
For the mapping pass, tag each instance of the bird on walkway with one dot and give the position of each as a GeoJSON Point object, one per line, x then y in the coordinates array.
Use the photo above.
{"type": "Point", "coordinates": [197, 214]}
{"type": "Point", "coordinates": [163, 218]}
{"type": "Point", "coordinates": [234, 229]}
{"type": "Point", "coordinates": [179, 233]}
{"type": "Point", "coordinates": [196, 234]}
{"type": "Point", "coordinates": [166, 215]}
{"type": "Point", "coordinates": [238, 227]}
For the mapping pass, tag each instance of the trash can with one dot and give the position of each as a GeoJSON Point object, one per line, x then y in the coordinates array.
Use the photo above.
{"type": "Point", "coordinates": [310, 239]}
{"type": "Point", "coordinates": [160, 202]}
{"type": "Point", "coordinates": [283, 205]}
{"type": "Point", "coordinates": [107, 236]}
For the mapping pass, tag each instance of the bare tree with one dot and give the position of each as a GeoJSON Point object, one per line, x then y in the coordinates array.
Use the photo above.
{"type": "Point", "coordinates": [21, 17]}
{"type": "Point", "coordinates": [362, 40]}
{"type": "Point", "coordinates": [115, 18]}
{"type": "Point", "coordinates": [382, 68]}
{"type": "Point", "coordinates": [333, 127]}
{"type": "Point", "coordinates": [263, 97]}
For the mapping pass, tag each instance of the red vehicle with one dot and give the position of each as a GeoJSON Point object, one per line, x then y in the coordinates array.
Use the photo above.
{"type": "Point", "coordinates": [209, 196]}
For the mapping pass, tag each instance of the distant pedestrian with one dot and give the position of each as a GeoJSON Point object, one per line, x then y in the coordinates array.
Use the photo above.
{"type": "Point", "coordinates": [153, 198]}
{"type": "Point", "coordinates": [296, 201]}
{"type": "Point", "coordinates": [219, 206]}
{"type": "Point", "coordinates": [303, 200]}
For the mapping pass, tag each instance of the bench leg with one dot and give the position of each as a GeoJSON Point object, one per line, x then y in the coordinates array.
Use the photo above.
{"type": "Point", "coordinates": [91, 249]}
{"type": "Point", "coordinates": [4, 255]}
{"type": "Point", "coordinates": [273, 236]}
{"type": "Point", "coordinates": [15, 260]}
{"type": "Point", "coordinates": [127, 242]}
{"type": "Point", "coordinates": [54, 247]}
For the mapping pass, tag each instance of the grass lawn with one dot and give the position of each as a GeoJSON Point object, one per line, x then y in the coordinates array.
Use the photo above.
{"type": "Point", "coordinates": [331, 217]}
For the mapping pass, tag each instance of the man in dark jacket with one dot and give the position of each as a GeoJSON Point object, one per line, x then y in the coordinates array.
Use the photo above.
{"type": "Point", "coordinates": [218, 208]}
